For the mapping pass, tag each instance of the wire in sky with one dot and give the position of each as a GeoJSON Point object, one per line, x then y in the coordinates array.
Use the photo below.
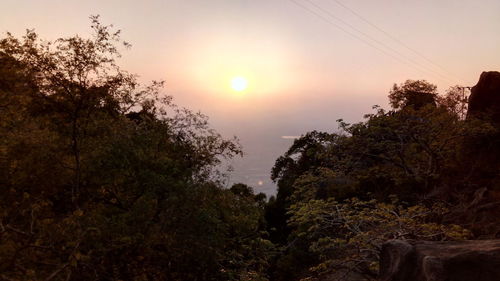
{"type": "Point", "coordinates": [350, 33]}
{"type": "Point", "coordinates": [393, 38]}
{"type": "Point", "coordinates": [355, 36]}
{"type": "Point", "coordinates": [427, 69]}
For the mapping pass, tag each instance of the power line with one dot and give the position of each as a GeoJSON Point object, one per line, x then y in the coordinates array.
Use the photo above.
{"type": "Point", "coordinates": [352, 34]}
{"type": "Point", "coordinates": [393, 38]}
{"type": "Point", "coordinates": [428, 70]}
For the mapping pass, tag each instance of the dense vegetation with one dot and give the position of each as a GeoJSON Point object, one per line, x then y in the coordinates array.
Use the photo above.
{"type": "Point", "coordinates": [394, 176]}
{"type": "Point", "coordinates": [103, 178]}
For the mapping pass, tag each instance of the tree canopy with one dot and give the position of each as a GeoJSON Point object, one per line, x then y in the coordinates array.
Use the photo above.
{"type": "Point", "coordinates": [336, 191]}
{"type": "Point", "coordinates": [107, 179]}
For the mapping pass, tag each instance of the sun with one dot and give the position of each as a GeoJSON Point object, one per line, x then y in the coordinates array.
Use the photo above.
{"type": "Point", "coordinates": [239, 84]}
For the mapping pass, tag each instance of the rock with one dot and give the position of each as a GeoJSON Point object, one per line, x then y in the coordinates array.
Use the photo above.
{"type": "Point", "coordinates": [477, 260]}
{"type": "Point", "coordinates": [484, 101]}
{"type": "Point", "coordinates": [480, 159]}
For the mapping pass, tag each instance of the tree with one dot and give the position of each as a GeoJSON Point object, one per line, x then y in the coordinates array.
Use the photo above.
{"type": "Point", "coordinates": [106, 179]}
{"type": "Point", "coordinates": [348, 236]}
{"type": "Point", "coordinates": [455, 101]}
{"type": "Point", "coordinates": [304, 154]}
{"type": "Point", "coordinates": [413, 151]}
{"type": "Point", "coordinates": [414, 93]}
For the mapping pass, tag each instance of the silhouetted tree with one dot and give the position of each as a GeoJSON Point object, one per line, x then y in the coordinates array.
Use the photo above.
{"type": "Point", "coordinates": [104, 179]}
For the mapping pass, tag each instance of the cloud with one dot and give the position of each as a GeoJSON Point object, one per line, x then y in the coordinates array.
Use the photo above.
{"type": "Point", "coordinates": [290, 137]}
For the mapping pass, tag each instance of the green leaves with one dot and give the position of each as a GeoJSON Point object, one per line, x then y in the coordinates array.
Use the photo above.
{"type": "Point", "coordinates": [338, 192]}
{"type": "Point", "coordinates": [347, 236]}
{"type": "Point", "coordinates": [106, 179]}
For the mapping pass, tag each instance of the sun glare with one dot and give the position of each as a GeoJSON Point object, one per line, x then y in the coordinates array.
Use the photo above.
{"type": "Point", "coordinates": [239, 84]}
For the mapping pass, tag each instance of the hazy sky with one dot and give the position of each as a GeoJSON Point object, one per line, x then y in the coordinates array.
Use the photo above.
{"type": "Point", "coordinates": [307, 63]}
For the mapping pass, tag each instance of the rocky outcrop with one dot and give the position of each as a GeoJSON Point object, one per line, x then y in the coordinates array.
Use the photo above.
{"type": "Point", "coordinates": [484, 101]}
{"type": "Point", "coordinates": [477, 260]}
{"type": "Point", "coordinates": [480, 160]}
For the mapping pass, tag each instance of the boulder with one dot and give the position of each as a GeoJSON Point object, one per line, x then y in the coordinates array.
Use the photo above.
{"type": "Point", "coordinates": [484, 101]}
{"type": "Point", "coordinates": [477, 260]}
{"type": "Point", "coordinates": [481, 159]}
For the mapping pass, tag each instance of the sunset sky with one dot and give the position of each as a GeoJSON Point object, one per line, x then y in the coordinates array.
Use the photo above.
{"type": "Point", "coordinates": [302, 63]}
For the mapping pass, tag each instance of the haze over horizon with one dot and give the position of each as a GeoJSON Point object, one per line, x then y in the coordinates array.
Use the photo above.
{"type": "Point", "coordinates": [308, 63]}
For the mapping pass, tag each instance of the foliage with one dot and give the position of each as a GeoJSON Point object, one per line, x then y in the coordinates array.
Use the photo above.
{"type": "Point", "coordinates": [414, 151]}
{"type": "Point", "coordinates": [455, 100]}
{"type": "Point", "coordinates": [348, 236]}
{"type": "Point", "coordinates": [413, 93]}
{"type": "Point", "coordinates": [304, 153]}
{"type": "Point", "coordinates": [105, 179]}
